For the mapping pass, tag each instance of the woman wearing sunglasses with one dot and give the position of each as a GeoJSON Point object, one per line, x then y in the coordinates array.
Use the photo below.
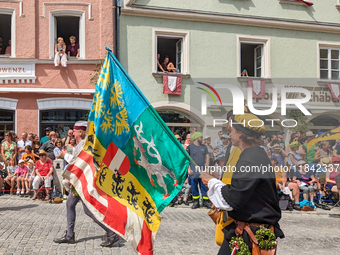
{"type": "Point", "coordinates": [9, 147]}
{"type": "Point", "coordinates": [44, 172]}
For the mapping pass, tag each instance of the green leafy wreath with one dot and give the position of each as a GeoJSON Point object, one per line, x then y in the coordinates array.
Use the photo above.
{"type": "Point", "coordinates": [74, 192]}
{"type": "Point", "coordinates": [238, 246]}
{"type": "Point", "coordinates": [266, 238]}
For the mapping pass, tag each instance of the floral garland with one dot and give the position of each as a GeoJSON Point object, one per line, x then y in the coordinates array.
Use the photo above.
{"type": "Point", "coordinates": [238, 246]}
{"type": "Point", "coordinates": [266, 238]}
{"type": "Point", "coordinates": [74, 192]}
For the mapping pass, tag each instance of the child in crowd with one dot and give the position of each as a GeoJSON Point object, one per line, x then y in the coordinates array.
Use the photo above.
{"type": "Point", "coordinates": [21, 173]}
{"type": "Point", "coordinates": [29, 175]}
{"type": "Point", "coordinates": [11, 170]}
{"type": "Point", "coordinates": [184, 193]}
{"type": "Point", "coordinates": [28, 154]}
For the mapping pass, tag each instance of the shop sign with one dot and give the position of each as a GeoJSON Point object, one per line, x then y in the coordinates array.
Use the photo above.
{"type": "Point", "coordinates": [16, 72]}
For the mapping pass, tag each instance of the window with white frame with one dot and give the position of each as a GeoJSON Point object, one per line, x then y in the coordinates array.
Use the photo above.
{"type": "Point", "coordinates": [66, 24]}
{"type": "Point", "coordinates": [329, 63]}
{"type": "Point", "coordinates": [7, 32]}
{"type": "Point", "coordinates": [253, 57]}
{"type": "Point", "coordinates": [171, 52]}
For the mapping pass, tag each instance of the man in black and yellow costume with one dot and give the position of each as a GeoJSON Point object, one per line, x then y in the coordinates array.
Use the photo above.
{"type": "Point", "coordinates": [251, 198]}
{"type": "Point", "coordinates": [231, 158]}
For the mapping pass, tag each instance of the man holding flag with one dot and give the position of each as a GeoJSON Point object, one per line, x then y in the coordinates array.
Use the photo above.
{"type": "Point", "coordinates": [125, 174]}
{"type": "Point", "coordinates": [79, 132]}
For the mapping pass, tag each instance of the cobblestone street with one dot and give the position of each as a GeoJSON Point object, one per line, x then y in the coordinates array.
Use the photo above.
{"type": "Point", "coordinates": [29, 228]}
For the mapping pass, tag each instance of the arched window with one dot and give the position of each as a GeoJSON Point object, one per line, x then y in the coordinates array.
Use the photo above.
{"type": "Point", "coordinates": [325, 122]}
{"type": "Point", "coordinates": [61, 113]}
{"type": "Point", "coordinates": [8, 108]}
{"type": "Point", "coordinates": [178, 121]}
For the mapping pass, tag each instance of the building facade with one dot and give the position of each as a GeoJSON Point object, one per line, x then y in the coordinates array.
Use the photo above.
{"type": "Point", "coordinates": [280, 43]}
{"type": "Point", "coordinates": [34, 93]}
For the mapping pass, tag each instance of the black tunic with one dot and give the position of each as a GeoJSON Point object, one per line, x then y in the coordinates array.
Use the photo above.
{"type": "Point", "coordinates": [252, 193]}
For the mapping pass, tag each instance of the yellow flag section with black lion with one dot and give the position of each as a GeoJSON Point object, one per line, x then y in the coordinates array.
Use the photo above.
{"type": "Point", "coordinates": [131, 165]}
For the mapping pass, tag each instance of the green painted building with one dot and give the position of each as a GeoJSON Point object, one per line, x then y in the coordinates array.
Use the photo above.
{"type": "Point", "coordinates": [279, 42]}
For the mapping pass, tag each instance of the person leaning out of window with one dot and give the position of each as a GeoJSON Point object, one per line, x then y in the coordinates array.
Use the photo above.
{"type": "Point", "coordinates": [73, 48]}
{"type": "Point", "coordinates": [60, 53]}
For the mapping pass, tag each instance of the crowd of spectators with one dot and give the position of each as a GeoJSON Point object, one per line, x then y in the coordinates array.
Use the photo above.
{"type": "Point", "coordinates": [26, 163]}
{"type": "Point", "coordinates": [301, 172]}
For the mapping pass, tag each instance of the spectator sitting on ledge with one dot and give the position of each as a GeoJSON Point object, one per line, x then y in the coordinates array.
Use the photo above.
{"type": "Point", "coordinates": [60, 53]}
{"type": "Point", "coordinates": [168, 66]}
{"type": "Point", "coordinates": [73, 48]}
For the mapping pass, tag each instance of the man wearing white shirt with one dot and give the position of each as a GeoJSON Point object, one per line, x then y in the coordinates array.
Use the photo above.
{"type": "Point", "coordinates": [218, 141]}
{"type": "Point", "coordinates": [22, 144]}
{"type": "Point", "coordinates": [251, 199]}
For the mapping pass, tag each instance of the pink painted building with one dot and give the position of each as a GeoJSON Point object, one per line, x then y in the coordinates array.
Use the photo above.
{"type": "Point", "coordinates": [34, 93]}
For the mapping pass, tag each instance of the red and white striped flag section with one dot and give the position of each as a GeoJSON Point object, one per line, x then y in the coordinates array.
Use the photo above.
{"type": "Point", "coordinates": [126, 223]}
{"type": "Point", "coordinates": [258, 88]}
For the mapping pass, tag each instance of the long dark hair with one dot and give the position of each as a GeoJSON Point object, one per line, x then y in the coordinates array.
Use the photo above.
{"type": "Point", "coordinates": [35, 142]}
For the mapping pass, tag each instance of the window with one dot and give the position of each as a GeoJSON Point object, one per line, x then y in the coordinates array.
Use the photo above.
{"type": "Point", "coordinates": [252, 59]}
{"type": "Point", "coordinates": [7, 32]}
{"type": "Point", "coordinates": [61, 120]}
{"type": "Point", "coordinates": [7, 118]}
{"type": "Point", "coordinates": [174, 45]}
{"type": "Point", "coordinates": [253, 56]}
{"type": "Point", "coordinates": [171, 48]}
{"type": "Point", "coordinates": [329, 63]}
{"type": "Point", "coordinates": [67, 26]}
{"type": "Point", "coordinates": [66, 23]}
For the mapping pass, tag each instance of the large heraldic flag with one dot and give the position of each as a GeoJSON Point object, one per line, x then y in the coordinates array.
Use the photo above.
{"type": "Point", "coordinates": [131, 165]}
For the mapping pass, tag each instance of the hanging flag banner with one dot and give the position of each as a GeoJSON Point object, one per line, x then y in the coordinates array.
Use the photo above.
{"type": "Point", "coordinates": [309, 4]}
{"type": "Point", "coordinates": [335, 90]}
{"type": "Point", "coordinates": [131, 166]}
{"type": "Point", "coordinates": [258, 88]}
{"type": "Point", "coordinates": [172, 84]}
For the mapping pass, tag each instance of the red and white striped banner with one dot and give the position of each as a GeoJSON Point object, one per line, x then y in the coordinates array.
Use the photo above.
{"type": "Point", "coordinates": [305, 2]}
{"type": "Point", "coordinates": [258, 88]}
{"type": "Point", "coordinates": [106, 209]}
{"type": "Point", "coordinates": [172, 84]}
{"type": "Point", "coordinates": [116, 157]}
{"type": "Point", "coordinates": [335, 89]}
